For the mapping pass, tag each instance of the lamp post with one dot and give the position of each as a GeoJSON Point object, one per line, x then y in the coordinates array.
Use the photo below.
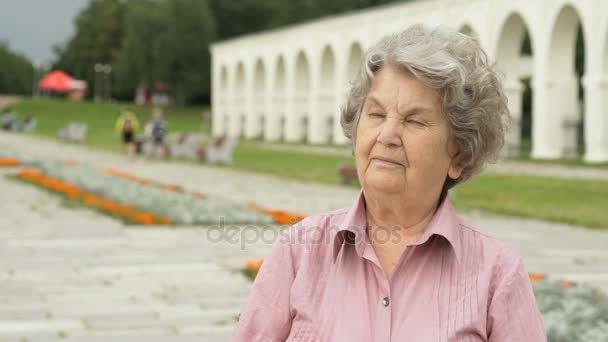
{"type": "Point", "coordinates": [107, 69]}
{"type": "Point", "coordinates": [35, 79]}
{"type": "Point", "coordinates": [98, 68]}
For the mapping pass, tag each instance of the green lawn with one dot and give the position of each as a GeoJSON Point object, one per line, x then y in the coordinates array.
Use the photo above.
{"type": "Point", "coordinates": [302, 166]}
{"type": "Point", "coordinates": [51, 115]}
{"type": "Point", "coordinates": [580, 202]}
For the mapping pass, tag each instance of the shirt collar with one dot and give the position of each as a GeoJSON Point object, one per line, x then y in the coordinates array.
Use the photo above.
{"type": "Point", "coordinates": [352, 229]}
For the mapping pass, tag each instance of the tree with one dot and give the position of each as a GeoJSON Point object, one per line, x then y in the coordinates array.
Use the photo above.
{"type": "Point", "coordinates": [97, 39]}
{"type": "Point", "coordinates": [16, 72]}
{"type": "Point", "coordinates": [135, 61]}
{"type": "Point", "coordinates": [181, 50]}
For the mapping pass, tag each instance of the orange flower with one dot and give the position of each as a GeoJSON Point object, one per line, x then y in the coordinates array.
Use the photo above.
{"type": "Point", "coordinates": [71, 162]}
{"type": "Point", "coordinates": [164, 220]}
{"type": "Point", "coordinates": [279, 216]}
{"type": "Point", "coordinates": [9, 162]}
{"type": "Point", "coordinates": [145, 218]}
{"type": "Point", "coordinates": [536, 277]}
{"type": "Point", "coordinates": [92, 200]}
{"type": "Point", "coordinates": [253, 267]}
{"type": "Point", "coordinates": [125, 210]}
{"type": "Point", "coordinates": [568, 284]}
{"type": "Point", "coordinates": [107, 205]}
{"type": "Point", "coordinates": [254, 263]}
{"type": "Point", "coordinates": [30, 174]}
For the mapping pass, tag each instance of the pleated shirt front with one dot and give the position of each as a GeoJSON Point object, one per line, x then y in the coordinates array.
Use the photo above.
{"type": "Point", "coordinates": [323, 282]}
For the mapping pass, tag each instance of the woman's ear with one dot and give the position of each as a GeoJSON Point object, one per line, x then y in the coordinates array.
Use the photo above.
{"type": "Point", "coordinates": [455, 169]}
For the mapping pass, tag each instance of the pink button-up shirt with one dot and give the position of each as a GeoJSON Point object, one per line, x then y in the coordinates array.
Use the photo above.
{"type": "Point", "coordinates": [323, 282]}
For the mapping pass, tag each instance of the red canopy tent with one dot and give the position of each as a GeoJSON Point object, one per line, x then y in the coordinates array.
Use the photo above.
{"type": "Point", "coordinates": [57, 81]}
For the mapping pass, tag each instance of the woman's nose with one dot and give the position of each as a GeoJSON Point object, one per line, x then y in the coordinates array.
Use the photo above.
{"type": "Point", "coordinates": [390, 132]}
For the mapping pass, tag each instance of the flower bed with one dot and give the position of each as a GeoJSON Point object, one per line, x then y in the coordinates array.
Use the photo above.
{"type": "Point", "coordinates": [143, 201]}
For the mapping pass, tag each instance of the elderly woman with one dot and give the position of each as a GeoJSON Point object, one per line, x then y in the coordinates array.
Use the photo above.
{"type": "Point", "coordinates": [425, 113]}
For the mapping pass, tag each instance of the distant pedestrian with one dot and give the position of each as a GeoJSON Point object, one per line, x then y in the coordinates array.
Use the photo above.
{"type": "Point", "coordinates": [127, 127]}
{"type": "Point", "coordinates": [159, 133]}
{"type": "Point", "coordinates": [9, 119]}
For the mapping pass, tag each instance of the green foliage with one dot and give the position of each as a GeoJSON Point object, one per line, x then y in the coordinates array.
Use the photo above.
{"type": "Point", "coordinates": [167, 40]}
{"type": "Point", "coordinates": [182, 48]}
{"type": "Point", "coordinates": [98, 37]}
{"type": "Point", "coordinates": [16, 72]}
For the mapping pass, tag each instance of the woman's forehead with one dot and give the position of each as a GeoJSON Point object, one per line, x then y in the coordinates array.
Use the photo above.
{"type": "Point", "coordinates": [405, 107]}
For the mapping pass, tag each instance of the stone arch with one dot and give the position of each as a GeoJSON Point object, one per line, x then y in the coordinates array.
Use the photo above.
{"type": "Point", "coordinates": [259, 99]}
{"type": "Point", "coordinates": [301, 98]}
{"type": "Point", "coordinates": [327, 94]}
{"type": "Point", "coordinates": [353, 61]}
{"type": "Point", "coordinates": [514, 59]}
{"type": "Point", "coordinates": [239, 118]}
{"type": "Point", "coordinates": [565, 72]}
{"type": "Point", "coordinates": [468, 30]}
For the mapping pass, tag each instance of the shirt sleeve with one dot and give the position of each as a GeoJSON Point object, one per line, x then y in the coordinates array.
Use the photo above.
{"type": "Point", "coordinates": [513, 313]}
{"type": "Point", "coordinates": [266, 315]}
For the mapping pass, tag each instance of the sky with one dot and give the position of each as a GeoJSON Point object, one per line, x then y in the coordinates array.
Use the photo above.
{"type": "Point", "coordinates": [33, 27]}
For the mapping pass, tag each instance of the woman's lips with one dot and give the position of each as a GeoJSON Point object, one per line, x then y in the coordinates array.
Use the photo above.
{"type": "Point", "coordinates": [386, 161]}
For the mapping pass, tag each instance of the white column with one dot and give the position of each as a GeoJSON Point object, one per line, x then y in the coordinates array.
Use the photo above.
{"type": "Point", "coordinates": [232, 105]}
{"type": "Point", "coordinates": [514, 91]}
{"type": "Point", "coordinates": [568, 106]}
{"type": "Point", "coordinates": [291, 106]}
{"type": "Point", "coordinates": [269, 108]}
{"type": "Point", "coordinates": [546, 120]}
{"type": "Point", "coordinates": [315, 110]}
{"type": "Point", "coordinates": [340, 92]}
{"type": "Point", "coordinates": [596, 119]}
{"type": "Point", "coordinates": [249, 108]}
{"type": "Point", "coordinates": [217, 105]}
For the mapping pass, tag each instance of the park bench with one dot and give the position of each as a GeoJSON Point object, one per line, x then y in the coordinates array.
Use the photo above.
{"type": "Point", "coordinates": [73, 132]}
{"type": "Point", "coordinates": [220, 150]}
{"type": "Point", "coordinates": [186, 146]}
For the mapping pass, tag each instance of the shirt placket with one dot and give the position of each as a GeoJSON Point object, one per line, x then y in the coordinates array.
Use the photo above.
{"type": "Point", "coordinates": [384, 300]}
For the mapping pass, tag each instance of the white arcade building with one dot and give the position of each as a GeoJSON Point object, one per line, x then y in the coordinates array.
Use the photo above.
{"type": "Point", "coordinates": [287, 84]}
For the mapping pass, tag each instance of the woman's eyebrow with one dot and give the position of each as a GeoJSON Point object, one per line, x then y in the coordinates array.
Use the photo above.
{"type": "Point", "coordinates": [374, 100]}
{"type": "Point", "coordinates": [417, 109]}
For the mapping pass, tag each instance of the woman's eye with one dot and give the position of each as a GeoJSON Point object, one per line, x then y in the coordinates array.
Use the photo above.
{"type": "Point", "coordinates": [415, 122]}
{"type": "Point", "coordinates": [376, 115]}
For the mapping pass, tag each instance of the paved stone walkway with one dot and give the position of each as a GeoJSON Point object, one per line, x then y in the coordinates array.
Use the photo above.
{"type": "Point", "coordinates": [70, 274]}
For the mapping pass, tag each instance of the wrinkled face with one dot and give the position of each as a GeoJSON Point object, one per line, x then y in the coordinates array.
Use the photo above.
{"type": "Point", "coordinates": [403, 141]}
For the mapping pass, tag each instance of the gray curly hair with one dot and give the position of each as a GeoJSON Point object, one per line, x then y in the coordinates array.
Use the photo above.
{"type": "Point", "coordinates": [473, 97]}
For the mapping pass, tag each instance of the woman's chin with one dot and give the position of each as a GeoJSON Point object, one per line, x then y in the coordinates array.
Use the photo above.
{"type": "Point", "coordinates": [385, 183]}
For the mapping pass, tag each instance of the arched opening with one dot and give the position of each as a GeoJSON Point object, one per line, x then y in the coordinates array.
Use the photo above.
{"type": "Point", "coordinates": [259, 100]}
{"type": "Point", "coordinates": [566, 67]}
{"type": "Point", "coordinates": [355, 55]}
{"type": "Point", "coordinates": [239, 102]}
{"type": "Point", "coordinates": [279, 131]}
{"type": "Point", "coordinates": [350, 70]}
{"type": "Point", "coordinates": [327, 96]}
{"type": "Point", "coordinates": [468, 30]}
{"type": "Point", "coordinates": [515, 60]}
{"type": "Point", "coordinates": [302, 90]}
